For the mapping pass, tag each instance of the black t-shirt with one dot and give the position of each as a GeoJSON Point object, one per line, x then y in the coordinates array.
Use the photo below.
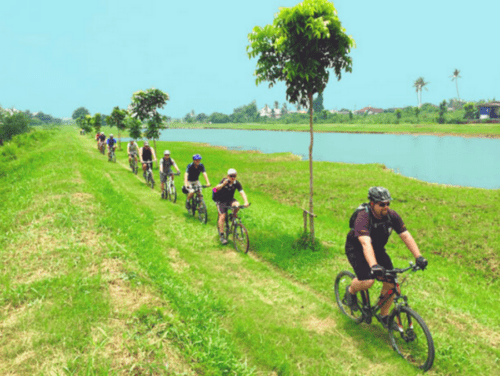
{"type": "Point", "coordinates": [102, 137]}
{"type": "Point", "coordinates": [193, 172]}
{"type": "Point", "coordinates": [167, 163]}
{"type": "Point", "coordinates": [378, 230]}
{"type": "Point", "coordinates": [226, 193]}
{"type": "Point", "coordinates": [147, 154]}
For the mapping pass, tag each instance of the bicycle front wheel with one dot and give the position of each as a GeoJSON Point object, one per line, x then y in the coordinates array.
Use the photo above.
{"type": "Point", "coordinates": [202, 212]}
{"type": "Point", "coordinates": [412, 340]}
{"type": "Point", "coordinates": [240, 238]}
{"type": "Point", "coordinates": [343, 280]}
{"type": "Point", "coordinates": [172, 196]}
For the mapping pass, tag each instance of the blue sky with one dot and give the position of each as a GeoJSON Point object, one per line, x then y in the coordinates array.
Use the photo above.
{"type": "Point", "coordinates": [60, 55]}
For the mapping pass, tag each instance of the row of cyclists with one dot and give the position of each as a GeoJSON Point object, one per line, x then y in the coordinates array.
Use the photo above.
{"type": "Point", "coordinates": [224, 191]}
{"type": "Point", "coordinates": [370, 225]}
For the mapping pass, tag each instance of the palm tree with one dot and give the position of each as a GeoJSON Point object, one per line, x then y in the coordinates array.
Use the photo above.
{"type": "Point", "coordinates": [455, 77]}
{"type": "Point", "coordinates": [419, 85]}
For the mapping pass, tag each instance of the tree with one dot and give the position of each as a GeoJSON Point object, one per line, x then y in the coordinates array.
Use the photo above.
{"type": "Point", "coordinates": [284, 109]}
{"type": "Point", "coordinates": [84, 124]}
{"type": "Point", "coordinates": [318, 103]}
{"type": "Point", "coordinates": [419, 85]}
{"type": "Point", "coordinates": [470, 111]}
{"type": "Point", "coordinates": [135, 127]}
{"type": "Point", "coordinates": [455, 77]}
{"type": "Point", "coordinates": [97, 122]}
{"type": "Point", "coordinates": [13, 124]}
{"type": "Point", "coordinates": [299, 48]}
{"type": "Point", "coordinates": [117, 119]}
{"type": "Point", "coordinates": [442, 110]}
{"type": "Point", "coordinates": [417, 112]}
{"type": "Point", "coordinates": [79, 112]}
{"type": "Point", "coordinates": [201, 118]}
{"type": "Point", "coordinates": [276, 105]}
{"type": "Point", "coordinates": [144, 107]}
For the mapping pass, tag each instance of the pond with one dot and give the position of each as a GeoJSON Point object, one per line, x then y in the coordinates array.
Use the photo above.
{"type": "Point", "coordinates": [472, 162]}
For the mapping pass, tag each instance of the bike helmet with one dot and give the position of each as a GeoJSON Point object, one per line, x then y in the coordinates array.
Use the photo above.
{"type": "Point", "coordinates": [167, 152]}
{"type": "Point", "coordinates": [146, 143]}
{"type": "Point", "coordinates": [231, 171]}
{"type": "Point", "coordinates": [196, 156]}
{"type": "Point", "coordinates": [111, 135]}
{"type": "Point", "coordinates": [377, 194]}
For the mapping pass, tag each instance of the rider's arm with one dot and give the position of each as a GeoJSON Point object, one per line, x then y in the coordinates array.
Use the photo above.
{"type": "Point", "coordinates": [410, 243]}
{"type": "Point", "coordinates": [366, 243]}
{"type": "Point", "coordinates": [140, 155]}
{"type": "Point", "coordinates": [244, 197]}
{"type": "Point", "coordinates": [206, 178]}
{"type": "Point", "coordinates": [161, 167]}
{"type": "Point", "coordinates": [218, 187]}
{"type": "Point", "coordinates": [154, 155]}
{"type": "Point", "coordinates": [186, 179]}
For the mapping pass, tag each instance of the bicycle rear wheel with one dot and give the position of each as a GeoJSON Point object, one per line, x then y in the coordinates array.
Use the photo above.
{"type": "Point", "coordinates": [202, 212]}
{"type": "Point", "coordinates": [413, 340]}
{"type": "Point", "coordinates": [240, 238]}
{"type": "Point", "coordinates": [173, 194]}
{"type": "Point", "coordinates": [343, 280]}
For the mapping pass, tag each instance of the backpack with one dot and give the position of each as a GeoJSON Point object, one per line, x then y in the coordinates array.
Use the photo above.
{"type": "Point", "coordinates": [366, 207]}
{"type": "Point", "coordinates": [215, 195]}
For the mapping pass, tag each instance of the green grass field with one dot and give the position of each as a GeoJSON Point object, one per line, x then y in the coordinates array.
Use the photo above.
{"type": "Point", "coordinates": [101, 277]}
{"type": "Point", "coordinates": [470, 130]}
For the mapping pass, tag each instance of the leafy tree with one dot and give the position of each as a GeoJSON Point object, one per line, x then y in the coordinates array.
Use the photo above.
{"type": "Point", "coordinates": [144, 106]}
{"type": "Point", "coordinates": [276, 105]}
{"type": "Point", "coordinates": [455, 77]}
{"type": "Point", "coordinates": [318, 103]}
{"type": "Point", "coordinates": [218, 118]}
{"type": "Point", "coordinates": [298, 48]}
{"type": "Point", "coordinates": [201, 118]}
{"type": "Point", "coordinates": [247, 113]}
{"type": "Point", "coordinates": [417, 112]}
{"type": "Point", "coordinates": [284, 109]}
{"type": "Point", "coordinates": [419, 84]}
{"type": "Point", "coordinates": [79, 112]}
{"type": "Point", "coordinates": [117, 119]}
{"type": "Point", "coordinates": [11, 125]}
{"type": "Point", "coordinates": [470, 111]}
{"type": "Point", "coordinates": [97, 122]}
{"type": "Point", "coordinates": [134, 126]}
{"type": "Point", "coordinates": [84, 124]}
{"type": "Point", "coordinates": [442, 110]}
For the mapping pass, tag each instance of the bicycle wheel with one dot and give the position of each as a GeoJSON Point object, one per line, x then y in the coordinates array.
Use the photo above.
{"type": "Point", "coordinates": [240, 238]}
{"type": "Point", "coordinates": [343, 280]}
{"type": "Point", "coordinates": [114, 158]}
{"type": "Point", "coordinates": [173, 194]}
{"type": "Point", "coordinates": [413, 340]}
{"type": "Point", "coordinates": [152, 181]}
{"type": "Point", "coordinates": [202, 212]}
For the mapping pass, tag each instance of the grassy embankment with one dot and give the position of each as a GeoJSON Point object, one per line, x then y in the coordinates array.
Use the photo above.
{"type": "Point", "coordinates": [101, 277]}
{"type": "Point", "coordinates": [471, 130]}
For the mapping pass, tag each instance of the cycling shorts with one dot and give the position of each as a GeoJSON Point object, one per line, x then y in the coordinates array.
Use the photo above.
{"type": "Point", "coordinates": [164, 175]}
{"type": "Point", "coordinates": [192, 184]}
{"type": "Point", "coordinates": [222, 207]}
{"type": "Point", "coordinates": [361, 268]}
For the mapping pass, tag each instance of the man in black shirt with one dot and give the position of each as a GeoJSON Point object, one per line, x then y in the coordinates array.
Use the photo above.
{"type": "Point", "coordinates": [191, 176]}
{"type": "Point", "coordinates": [147, 156]}
{"type": "Point", "coordinates": [224, 196]}
{"type": "Point", "coordinates": [371, 226]}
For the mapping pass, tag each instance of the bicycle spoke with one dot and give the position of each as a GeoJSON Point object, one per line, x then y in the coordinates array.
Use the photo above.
{"type": "Point", "coordinates": [413, 340]}
{"type": "Point", "coordinates": [343, 280]}
{"type": "Point", "coordinates": [240, 238]}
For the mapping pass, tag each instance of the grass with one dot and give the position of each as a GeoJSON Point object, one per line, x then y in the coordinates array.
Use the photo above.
{"type": "Point", "coordinates": [470, 130]}
{"type": "Point", "coordinates": [101, 277]}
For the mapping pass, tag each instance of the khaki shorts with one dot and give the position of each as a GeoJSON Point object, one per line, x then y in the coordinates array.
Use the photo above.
{"type": "Point", "coordinates": [192, 184]}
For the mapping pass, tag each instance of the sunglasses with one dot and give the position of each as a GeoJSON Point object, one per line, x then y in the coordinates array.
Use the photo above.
{"type": "Point", "coordinates": [384, 204]}
{"type": "Point", "coordinates": [232, 176]}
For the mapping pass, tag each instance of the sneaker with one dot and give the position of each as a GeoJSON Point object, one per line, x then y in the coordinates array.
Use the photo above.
{"type": "Point", "coordinates": [384, 320]}
{"type": "Point", "coordinates": [223, 240]}
{"type": "Point", "coordinates": [163, 195]}
{"type": "Point", "coordinates": [351, 300]}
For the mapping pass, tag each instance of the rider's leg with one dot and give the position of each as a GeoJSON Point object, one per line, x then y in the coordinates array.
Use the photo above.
{"type": "Point", "coordinates": [235, 205]}
{"type": "Point", "coordinates": [358, 285]}
{"type": "Point", "coordinates": [222, 218]}
{"type": "Point", "coordinates": [384, 311]}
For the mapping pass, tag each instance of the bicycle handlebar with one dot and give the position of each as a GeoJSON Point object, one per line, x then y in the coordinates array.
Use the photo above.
{"type": "Point", "coordinates": [236, 207]}
{"type": "Point", "coordinates": [395, 271]}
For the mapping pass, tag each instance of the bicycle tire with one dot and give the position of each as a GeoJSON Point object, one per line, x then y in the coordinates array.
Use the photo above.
{"type": "Point", "coordinates": [240, 238]}
{"type": "Point", "coordinates": [344, 278]}
{"type": "Point", "coordinates": [152, 182]}
{"type": "Point", "coordinates": [173, 194]}
{"type": "Point", "coordinates": [192, 210]}
{"type": "Point", "coordinates": [202, 212]}
{"type": "Point", "coordinates": [414, 343]}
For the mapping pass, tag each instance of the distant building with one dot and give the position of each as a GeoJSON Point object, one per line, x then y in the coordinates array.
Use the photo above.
{"type": "Point", "coordinates": [489, 110]}
{"type": "Point", "coordinates": [266, 111]}
{"type": "Point", "coordinates": [369, 110]}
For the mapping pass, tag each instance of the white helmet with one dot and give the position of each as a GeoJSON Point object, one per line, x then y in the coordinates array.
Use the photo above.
{"type": "Point", "coordinates": [111, 135]}
{"type": "Point", "coordinates": [146, 143]}
{"type": "Point", "coordinates": [231, 171]}
{"type": "Point", "coordinates": [166, 152]}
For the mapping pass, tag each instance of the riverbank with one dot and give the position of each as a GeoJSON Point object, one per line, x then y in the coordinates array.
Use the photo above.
{"type": "Point", "coordinates": [140, 291]}
{"type": "Point", "coordinates": [458, 130]}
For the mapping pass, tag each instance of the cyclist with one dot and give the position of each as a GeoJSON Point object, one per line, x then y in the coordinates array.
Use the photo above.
{"type": "Point", "coordinates": [193, 171]}
{"type": "Point", "coordinates": [166, 164]}
{"type": "Point", "coordinates": [97, 138]}
{"type": "Point", "coordinates": [111, 144]}
{"type": "Point", "coordinates": [224, 197]}
{"type": "Point", "coordinates": [371, 225]}
{"type": "Point", "coordinates": [102, 140]}
{"type": "Point", "coordinates": [147, 156]}
{"type": "Point", "coordinates": [132, 150]}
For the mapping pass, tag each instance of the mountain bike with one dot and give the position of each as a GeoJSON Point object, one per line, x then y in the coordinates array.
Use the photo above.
{"type": "Point", "coordinates": [133, 164]}
{"type": "Point", "coordinates": [112, 155]}
{"type": "Point", "coordinates": [169, 191]}
{"type": "Point", "coordinates": [408, 332]}
{"type": "Point", "coordinates": [234, 226]}
{"type": "Point", "coordinates": [102, 149]}
{"type": "Point", "coordinates": [148, 175]}
{"type": "Point", "coordinates": [197, 203]}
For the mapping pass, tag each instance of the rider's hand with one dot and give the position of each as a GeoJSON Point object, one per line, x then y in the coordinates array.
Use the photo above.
{"type": "Point", "coordinates": [378, 270]}
{"type": "Point", "coordinates": [208, 185]}
{"type": "Point", "coordinates": [421, 262]}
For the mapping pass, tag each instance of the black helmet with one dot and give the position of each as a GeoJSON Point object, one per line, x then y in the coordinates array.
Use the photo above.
{"type": "Point", "coordinates": [377, 194]}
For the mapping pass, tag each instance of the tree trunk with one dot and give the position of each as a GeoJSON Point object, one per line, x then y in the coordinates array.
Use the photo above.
{"type": "Point", "coordinates": [311, 190]}
{"type": "Point", "coordinates": [458, 95]}
{"type": "Point", "coordinates": [156, 150]}
{"type": "Point", "coordinates": [119, 141]}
